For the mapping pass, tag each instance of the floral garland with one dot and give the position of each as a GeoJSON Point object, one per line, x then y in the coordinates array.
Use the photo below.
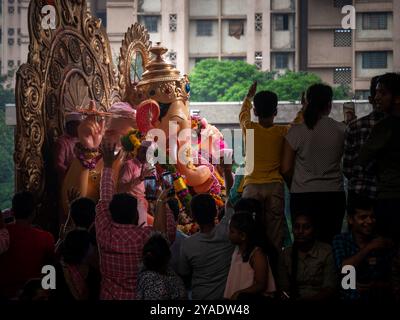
{"type": "Point", "coordinates": [132, 141]}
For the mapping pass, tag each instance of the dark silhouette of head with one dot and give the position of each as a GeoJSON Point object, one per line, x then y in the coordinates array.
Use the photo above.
{"type": "Point", "coordinates": [319, 102]}
{"type": "Point", "coordinates": [265, 104]}
{"type": "Point", "coordinates": [123, 209]}
{"type": "Point", "coordinates": [156, 253]}
{"type": "Point", "coordinates": [75, 247]}
{"type": "Point", "coordinates": [23, 205]}
{"type": "Point", "coordinates": [204, 209]}
{"type": "Point", "coordinates": [83, 212]}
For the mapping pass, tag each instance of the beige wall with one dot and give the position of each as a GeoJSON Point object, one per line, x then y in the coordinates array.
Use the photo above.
{"type": "Point", "coordinates": [323, 13]}
{"type": "Point", "coordinates": [369, 73]}
{"type": "Point", "coordinates": [374, 34]}
{"type": "Point", "coordinates": [323, 53]}
{"type": "Point", "coordinates": [203, 44]}
{"type": "Point", "coordinates": [151, 6]}
{"type": "Point", "coordinates": [396, 36]}
{"type": "Point", "coordinates": [281, 39]}
{"type": "Point", "coordinates": [233, 7]}
{"type": "Point", "coordinates": [326, 75]}
{"type": "Point", "coordinates": [204, 7]}
{"type": "Point", "coordinates": [281, 4]}
{"type": "Point", "coordinates": [231, 44]}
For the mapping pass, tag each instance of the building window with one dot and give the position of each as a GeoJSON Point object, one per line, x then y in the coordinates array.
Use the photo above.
{"type": "Point", "coordinates": [10, 63]}
{"type": "Point", "coordinates": [342, 3]}
{"type": "Point", "coordinates": [374, 60]}
{"type": "Point", "coordinates": [342, 76]}
{"type": "Point", "coordinates": [1, 36]}
{"type": "Point", "coordinates": [11, 10]}
{"type": "Point", "coordinates": [172, 57]}
{"type": "Point", "coordinates": [342, 38]}
{"type": "Point", "coordinates": [374, 21]}
{"type": "Point", "coordinates": [10, 1]}
{"type": "Point", "coordinates": [282, 22]}
{"type": "Point", "coordinates": [258, 21]}
{"type": "Point", "coordinates": [281, 60]}
{"type": "Point", "coordinates": [10, 42]}
{"type": "Point", "coordinates": [10, 31]}
{"type": "Point", "coordinates": [236, 28]}
{"type": "Point", "coordinates": [258, 57]}
{"type": "Point", "coordinates": [151, 23]}
{"type": "Point", "coordinates": [19, 31]}
{"type": "Point", "coordinates": [19, 41]}
{"type": "Point", "coordinates": [204, 28]}
{"type": "Point", "coordinates": [172, 22]}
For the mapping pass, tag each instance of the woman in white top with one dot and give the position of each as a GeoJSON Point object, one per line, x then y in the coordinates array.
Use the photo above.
{"type": "Point", "coordinates": [311, 164]}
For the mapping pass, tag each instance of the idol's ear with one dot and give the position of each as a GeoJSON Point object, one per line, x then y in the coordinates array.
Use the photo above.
{"type": "Point", "coordinates": [147, 114]}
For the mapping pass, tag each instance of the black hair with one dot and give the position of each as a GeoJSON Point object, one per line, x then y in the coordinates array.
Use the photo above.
{"type": "Point", "coordinates": [23, 205]}
{"type": "Point", "coordinates": [318, 97]}
{"type": "Point", "coordinates": [83, 212]}
{"type": "Point", "coordinates": [203, 208]}
{"type": "Point", "coordinates": [372, 88]}
{"type": "Point", "coordinates": [360, 203]}
{"type": "Point", "coordinates": [123, 209]}
{"type": "Point", "coordinates": [391, 82]}
{"type": "Point", "coordinates": [265, 104]}
{"type": "Point", "coordinates": [294, 292]}
{"type": "Point", "coordinates": [249, 204]}
{"type": "Point", "coordinates": [156, 253]}
{"type": "Point", "coordinates": [75, 246]}
{"type": "Point", "coordinates": [71, 127]}
{"type": "Point", "coordinates": [254, 208]}
{"type": "Point", "coordinates": [245, 222]}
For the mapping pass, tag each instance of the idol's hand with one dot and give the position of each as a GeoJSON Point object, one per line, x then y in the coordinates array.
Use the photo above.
{"type": "Point", "coordinates": [91, 131]}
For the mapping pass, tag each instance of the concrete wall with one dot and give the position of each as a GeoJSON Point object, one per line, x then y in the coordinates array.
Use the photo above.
{"type": "Point", "coordinates": [204, 7]}
{"type": "Point", "coordinates": [323, 53]}
{"type": "Point", "coordinates": [374, 34]}
{"type": "Point", "coordinates": [151, 6]}
{"type": "Point", "coordinates": [326, 74]}
{"type": "Point", "coordinates": [199, 45]}
{"type": "Point", "coordinates": [229, 43]}
{"type": "Point", "coordinates": [281, 39]}
{"type": "Point", "coordinates": [281, 4]}
{"type": "Point", "coordinates": [369, 73]}
{"type": "Point", "coordinates": [233, 7]}
{"type": "Point", "coordinates": [323, 13]}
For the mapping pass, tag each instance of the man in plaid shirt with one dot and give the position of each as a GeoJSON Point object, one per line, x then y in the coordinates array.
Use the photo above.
{"type": "Point", "coordinates": [361, 181]}
{"type": "Point", "coordinates": [119, 238]}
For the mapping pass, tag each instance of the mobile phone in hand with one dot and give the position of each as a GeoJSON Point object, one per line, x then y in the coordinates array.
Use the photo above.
{"type": "Point", "coordinates": [168, 182]}
{"type": "Point", "coordinates": [150, 185]}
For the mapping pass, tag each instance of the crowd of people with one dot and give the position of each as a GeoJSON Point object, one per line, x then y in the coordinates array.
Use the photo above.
{"type": "Point", "coordinates": [108, 253]}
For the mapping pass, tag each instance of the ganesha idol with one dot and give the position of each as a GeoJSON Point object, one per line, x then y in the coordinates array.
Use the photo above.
{"type": "Point", "coordinates": [159, 99]}
{"type": "Point", "coordinates": [162, 100]}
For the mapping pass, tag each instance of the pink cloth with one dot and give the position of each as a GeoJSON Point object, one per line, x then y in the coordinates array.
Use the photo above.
{"type": "Point", "coordinates": [129, 182]}
{"type": "Point", "coordinates": [241, 276]}
{"type": "Point", "coordinates": [64, 153]}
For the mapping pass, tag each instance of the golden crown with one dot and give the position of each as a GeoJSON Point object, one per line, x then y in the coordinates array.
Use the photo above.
{"type": "Point", "coordinates": [160, 81]}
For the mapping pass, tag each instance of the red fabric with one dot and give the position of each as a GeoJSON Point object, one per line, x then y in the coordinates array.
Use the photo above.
{"type": "Point", "coordinates": [30, 249]}
{"type": "Point", "coordinates": [120, 246]}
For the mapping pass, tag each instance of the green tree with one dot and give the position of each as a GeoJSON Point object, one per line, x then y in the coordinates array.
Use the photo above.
{"type": "Point", "coordinates": [6, 150]}
{"type": "Point", "coordinates": [213, 80]}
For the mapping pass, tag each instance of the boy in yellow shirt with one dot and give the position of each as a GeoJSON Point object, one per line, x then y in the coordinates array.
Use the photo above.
{"type": "Point", "coordinates": [263, 180]}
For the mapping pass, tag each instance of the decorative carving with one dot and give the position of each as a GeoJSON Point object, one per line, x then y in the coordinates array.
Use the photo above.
{"type": "Point", "coordinates": [74, 49]}
{"type": "Point", "coordinates": [66, 67]}
{"type": "Point", "coordinates": [135, 48]}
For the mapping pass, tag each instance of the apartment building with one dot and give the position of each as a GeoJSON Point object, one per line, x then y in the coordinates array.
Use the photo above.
{"type": "Point", "coordinates": [349, 57]}
{"type": "Point", "coordinates": [272, 34]}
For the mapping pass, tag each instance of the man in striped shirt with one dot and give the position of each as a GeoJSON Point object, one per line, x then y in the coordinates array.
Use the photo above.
{"type": "Point", "coordinates": [119, 237]}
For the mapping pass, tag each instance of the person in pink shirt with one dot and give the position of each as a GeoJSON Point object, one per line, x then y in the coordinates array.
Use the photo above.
{"type": "Point", "coordinates": [65, 144]}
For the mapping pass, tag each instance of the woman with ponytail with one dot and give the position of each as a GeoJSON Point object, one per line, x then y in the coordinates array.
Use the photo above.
{"type": "Point", "coordinates": [311, 164]}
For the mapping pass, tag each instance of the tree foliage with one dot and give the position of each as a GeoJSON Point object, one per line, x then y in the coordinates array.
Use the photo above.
{"type": "Point", "coordinates": [213, 80]}
{"type": "Point", "coordinates": [6, 151]}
